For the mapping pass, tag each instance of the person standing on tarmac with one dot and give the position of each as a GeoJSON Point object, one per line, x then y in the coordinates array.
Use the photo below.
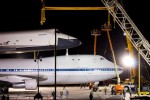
{"type": "Point", "coordinates": [124, 92]}
{"type": "Point", "coordinates": [61, 94]}
{"type": "Point", "coordinates": [130, 91]}
{"type": "Point", "coordinates": [53, 94]}
{"type": "Point", "coordinates": [91, 96]}
{"type": "Point", "coordinates": [105, 89]}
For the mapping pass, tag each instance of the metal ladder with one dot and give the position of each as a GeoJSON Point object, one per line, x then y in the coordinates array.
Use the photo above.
{"type": "Point", "coordinates": [128, 26]}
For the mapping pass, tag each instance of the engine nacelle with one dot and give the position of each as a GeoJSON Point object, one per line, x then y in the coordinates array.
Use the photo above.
{"type": "Point", "coordinates": [30, 84]}
{"type": "Point", "coordinates": [20, 85]}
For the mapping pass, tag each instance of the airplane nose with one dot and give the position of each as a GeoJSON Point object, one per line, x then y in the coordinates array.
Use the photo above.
{"type": "Point", "coordinates": [68, 43]}
{"type": "Point", "coordinates": [120, 70]}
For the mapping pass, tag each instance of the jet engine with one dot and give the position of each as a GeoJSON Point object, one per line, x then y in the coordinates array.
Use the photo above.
{"type": "Point", "coordinates": [29, 84]}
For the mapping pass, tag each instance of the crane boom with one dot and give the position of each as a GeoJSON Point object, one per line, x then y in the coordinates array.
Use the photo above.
{"type": "Point", "coordinates": [128, 26]}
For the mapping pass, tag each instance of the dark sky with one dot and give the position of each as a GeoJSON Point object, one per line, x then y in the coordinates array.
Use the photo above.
{"type": "Point", "coordinates": [25, 15]}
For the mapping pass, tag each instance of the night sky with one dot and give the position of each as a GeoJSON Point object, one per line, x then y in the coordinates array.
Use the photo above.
{"type": "Point", "coordinates": [21, 15]}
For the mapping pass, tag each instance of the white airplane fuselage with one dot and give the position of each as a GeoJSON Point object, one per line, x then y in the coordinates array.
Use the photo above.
{"type": "Point", "coordinates": [71, 69]}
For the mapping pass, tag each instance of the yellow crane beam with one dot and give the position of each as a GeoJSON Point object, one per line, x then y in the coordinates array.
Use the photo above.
{"type": "Point", "coordinates": [44, 8]}
{"type": "Point", "coordinates": [133, 70]}
{"type": "Point", "coordinates": [95, 33]}
{"type": "Point", "coordinates": [75, 8]}
{"type": "Point", "coordinates": [107, 28]}
{"type": "Point", "coordinates": [139, 84]}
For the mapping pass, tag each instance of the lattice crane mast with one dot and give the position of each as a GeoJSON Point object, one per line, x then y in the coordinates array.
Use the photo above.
{"type": "Point", "coordinates": [128, 26]}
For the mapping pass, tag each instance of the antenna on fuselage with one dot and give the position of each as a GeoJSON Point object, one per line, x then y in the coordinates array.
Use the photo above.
{"type": "Point", "coordinates": [66, 52]}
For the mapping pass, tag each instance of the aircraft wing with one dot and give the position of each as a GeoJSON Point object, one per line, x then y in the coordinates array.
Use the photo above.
{"type": "Point", "coordinates": [20, 78]}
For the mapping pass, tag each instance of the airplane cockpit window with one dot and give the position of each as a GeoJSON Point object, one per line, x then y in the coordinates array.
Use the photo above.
{"type": "Point", "coordinates": [101, 58]}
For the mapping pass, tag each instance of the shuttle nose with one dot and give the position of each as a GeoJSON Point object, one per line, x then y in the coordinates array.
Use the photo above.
{"type": "Point", "coordinates": [68, 43]}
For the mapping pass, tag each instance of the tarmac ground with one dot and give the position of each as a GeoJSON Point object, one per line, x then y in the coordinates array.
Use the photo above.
{"type": "Point", "coordinates": [69, 93]}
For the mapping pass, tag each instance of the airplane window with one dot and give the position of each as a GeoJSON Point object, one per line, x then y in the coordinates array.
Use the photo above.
{"type": "Point", "coordinates": [30, 39]}
{"type": "Point", "coordinates": [101, 58]}
{"type": "Point", "coordinates": [72, 59]}
{"type": "Point", "coordinates": [78, 59]}
{"type": "Point", "coordinates": [17, 40]}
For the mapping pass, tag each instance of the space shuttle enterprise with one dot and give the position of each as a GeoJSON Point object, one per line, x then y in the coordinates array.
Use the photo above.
{"type": "Point", "coordinates": [35, 40]}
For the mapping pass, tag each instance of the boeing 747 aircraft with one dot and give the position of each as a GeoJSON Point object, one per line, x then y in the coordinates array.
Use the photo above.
{"type": "Point", "coordinates": [70, 69]}
{"type": "Point", "coordinates": [35, 40]}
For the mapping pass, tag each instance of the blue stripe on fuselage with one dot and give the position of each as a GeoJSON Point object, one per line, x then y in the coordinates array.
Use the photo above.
{"type": "Point", "coordinates": [45, 70]}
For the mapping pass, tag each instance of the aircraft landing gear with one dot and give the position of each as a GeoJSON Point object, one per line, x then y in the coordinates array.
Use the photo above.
{"type": "Point", "coordinates": [5, 97]}
{"type": "Point", "coordinates": [90, 87]}
{"type": "Point", "coordinates": [4, 90]}
{"type": "Point", "coordinates": [95, 89]}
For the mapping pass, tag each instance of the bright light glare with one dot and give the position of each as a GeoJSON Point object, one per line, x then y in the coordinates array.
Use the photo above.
{"type": "Point", "coordinates": [124, 34]}
{"type": "Point", "coordinates": [128, 61]}
{"type": "Point", "coordinates": [19, 52]}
